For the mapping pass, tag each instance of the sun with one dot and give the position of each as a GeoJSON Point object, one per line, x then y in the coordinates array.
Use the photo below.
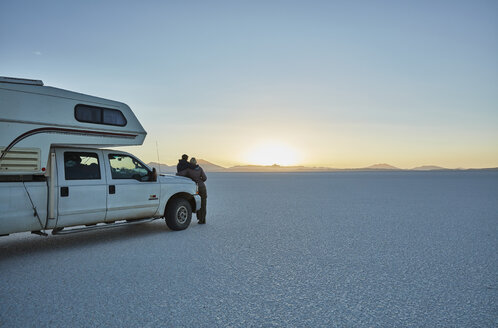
{"type": "Point", "coordinates": [271, 152]}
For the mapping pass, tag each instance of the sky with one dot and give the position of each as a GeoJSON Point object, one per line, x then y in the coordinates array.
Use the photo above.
{"type": "Point", "coordinates": [317, 83]}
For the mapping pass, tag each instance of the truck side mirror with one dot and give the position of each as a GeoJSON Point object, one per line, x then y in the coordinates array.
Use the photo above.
{"type": "Point", "coordinates": [153, 176]}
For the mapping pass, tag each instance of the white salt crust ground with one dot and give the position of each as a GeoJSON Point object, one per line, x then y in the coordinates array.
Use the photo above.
{"type": "Point", "coordinates": [383, 249]}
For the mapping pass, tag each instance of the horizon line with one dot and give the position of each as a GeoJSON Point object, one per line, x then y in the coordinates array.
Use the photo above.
{"type": "Point", "coordinates": [374, 167]}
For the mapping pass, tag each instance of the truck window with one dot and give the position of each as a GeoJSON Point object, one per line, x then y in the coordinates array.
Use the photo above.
{"type": "Point", "coordinates": [99, 115]}
{"type": "Point", "coordinates": [127, 167]}
{"type": "Point", "coordinates": [81, 166]}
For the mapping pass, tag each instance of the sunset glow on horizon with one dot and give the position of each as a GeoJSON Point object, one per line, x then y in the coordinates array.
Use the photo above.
{"type": "Point", "coordinates": [271, 152]}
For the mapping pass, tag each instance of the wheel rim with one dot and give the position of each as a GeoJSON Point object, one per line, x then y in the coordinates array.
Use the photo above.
{"type": "Point", "coordinates": [182, 214]}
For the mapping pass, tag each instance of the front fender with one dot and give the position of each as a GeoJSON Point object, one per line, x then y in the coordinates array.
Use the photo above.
{"type": "Point", "coordinates": [174, 185]}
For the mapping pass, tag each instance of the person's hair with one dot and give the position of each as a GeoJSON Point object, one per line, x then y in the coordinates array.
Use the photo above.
{"type": "Point", "coordinates": [185, 156]}
{"type": "Point", "coordinates": [193, 161]}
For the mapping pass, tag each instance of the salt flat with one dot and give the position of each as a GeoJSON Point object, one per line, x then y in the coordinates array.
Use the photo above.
{"type": "Point", "coordinates": [358, 249]}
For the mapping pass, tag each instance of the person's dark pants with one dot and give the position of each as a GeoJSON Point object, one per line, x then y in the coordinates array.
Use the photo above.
{"type": "Point", "coordinates": [201, 213]}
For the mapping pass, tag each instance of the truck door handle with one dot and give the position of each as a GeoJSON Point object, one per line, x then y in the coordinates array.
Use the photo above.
{"type": "Point", "coordinates": [64, 191]}
{"type": "Point", "coordinates": [112, 189]}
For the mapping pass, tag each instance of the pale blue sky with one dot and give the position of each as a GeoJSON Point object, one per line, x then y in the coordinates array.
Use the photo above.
{"type": "Point", "coordinates": [343, 83]}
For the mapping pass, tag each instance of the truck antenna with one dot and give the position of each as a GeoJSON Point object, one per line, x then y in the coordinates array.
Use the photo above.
{"type": "Point", "coordinates": [158, 162]}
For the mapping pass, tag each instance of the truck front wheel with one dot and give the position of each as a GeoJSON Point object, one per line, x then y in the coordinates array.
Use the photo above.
{"type": "Point", "coordinates": [178, 214]}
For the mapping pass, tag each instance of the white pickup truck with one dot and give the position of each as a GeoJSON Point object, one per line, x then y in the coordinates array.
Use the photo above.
{"type": "Point", "coordinates": [54, 173]}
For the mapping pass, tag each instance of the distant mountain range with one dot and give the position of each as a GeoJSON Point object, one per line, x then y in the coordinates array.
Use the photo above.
{"type": "Point", "coordinates": [428, 168]}
{"type": "Point", "coordinates": [382, 166]}
{"type": "Point", "coordinates": [210, 167]}
{"type": "Point", "coordinates": [207, 166]}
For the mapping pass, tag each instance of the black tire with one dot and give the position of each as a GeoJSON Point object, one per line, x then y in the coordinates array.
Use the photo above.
{"type": "Point", "coordinates": [178, 214]}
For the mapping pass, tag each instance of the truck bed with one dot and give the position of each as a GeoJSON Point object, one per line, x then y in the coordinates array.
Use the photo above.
{"type": "Point", "coordinates": [16, 211]}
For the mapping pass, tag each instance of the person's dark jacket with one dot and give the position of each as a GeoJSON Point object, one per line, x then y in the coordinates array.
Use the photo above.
{"type": "Point", "coordinates": [182, 165]}
{"type": "Point", "coordinates": [197, 174]}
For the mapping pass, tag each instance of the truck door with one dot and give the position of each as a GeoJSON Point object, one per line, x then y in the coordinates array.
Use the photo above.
{"type": "Point", "coordinates": [132, 194]}
{"type": "Point", "coordinates": [82, 193]}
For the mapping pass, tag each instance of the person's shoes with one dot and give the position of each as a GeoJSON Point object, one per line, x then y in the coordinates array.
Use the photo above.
{"type": "Point", "coordinates": [202, 221]}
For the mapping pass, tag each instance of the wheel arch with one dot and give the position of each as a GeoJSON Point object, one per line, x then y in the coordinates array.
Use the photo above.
{"type": "Point", "coordinates": [184, 195]}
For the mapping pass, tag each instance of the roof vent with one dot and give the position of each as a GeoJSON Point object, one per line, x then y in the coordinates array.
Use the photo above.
{"type": "Point", "coordinates": [15, 80]}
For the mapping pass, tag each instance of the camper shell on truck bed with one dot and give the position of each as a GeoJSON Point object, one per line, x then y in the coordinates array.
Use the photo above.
{"type": "Point", "coordinates": [55, 172]}
{"type": "Point", "coordinates": [35, 117]}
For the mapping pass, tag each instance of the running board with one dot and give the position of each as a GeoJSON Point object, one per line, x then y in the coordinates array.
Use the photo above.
{"type": "Point", "coordinates": [59, 231]}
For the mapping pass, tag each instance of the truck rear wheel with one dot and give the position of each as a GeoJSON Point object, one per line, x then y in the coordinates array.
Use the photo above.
{"type": "Point", "coordinates": [178, 214]}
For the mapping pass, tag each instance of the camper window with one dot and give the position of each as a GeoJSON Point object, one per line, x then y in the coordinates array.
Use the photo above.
{"type": "Point", "coordinates": [81, 166]}
{"type": "Point", "coordinates": [99, 115]}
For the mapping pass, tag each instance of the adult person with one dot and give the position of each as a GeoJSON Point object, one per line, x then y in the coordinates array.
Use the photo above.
{"type": "Point", "coordinates": [196, 173]}
{"type": "Point", "coordinates": [183, 163]}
